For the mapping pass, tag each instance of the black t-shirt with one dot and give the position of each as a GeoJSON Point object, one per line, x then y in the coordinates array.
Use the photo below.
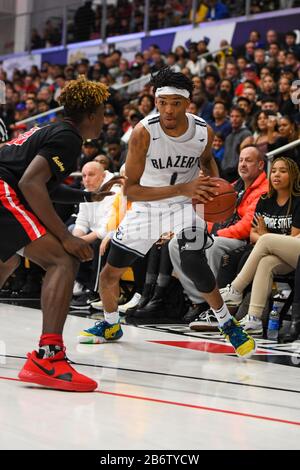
{"type": "Point", "coordinates": [59, 143]}
{"type": "Point", "coordinates": [277, 218]}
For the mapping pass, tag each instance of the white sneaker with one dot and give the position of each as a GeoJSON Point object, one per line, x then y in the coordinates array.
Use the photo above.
{"type": "Point", "coordinates": [78, 289]}
{"type": "Point", "coordinates": [231, 296]}
{"type": "Point", "coordinates": [252, 325]}
{"type": "Point", "coordinates": [97, 305]}
{"type": "Point", "coordinates": [131, 304]}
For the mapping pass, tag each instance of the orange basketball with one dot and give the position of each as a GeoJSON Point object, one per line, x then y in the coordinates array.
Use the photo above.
{"type": "Point", "coordinates": [222, 206]}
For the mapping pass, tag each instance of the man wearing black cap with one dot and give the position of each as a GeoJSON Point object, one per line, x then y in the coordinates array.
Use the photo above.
{"type": "Point", "coordinates": [90, 150]}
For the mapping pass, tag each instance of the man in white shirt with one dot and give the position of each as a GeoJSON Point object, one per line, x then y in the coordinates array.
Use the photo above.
{"type": "Point", "coordinates": [91, 226]}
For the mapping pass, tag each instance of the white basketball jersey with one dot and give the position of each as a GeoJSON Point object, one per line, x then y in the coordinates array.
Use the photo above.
{"type": "Point", "coordinates": [173, 160]}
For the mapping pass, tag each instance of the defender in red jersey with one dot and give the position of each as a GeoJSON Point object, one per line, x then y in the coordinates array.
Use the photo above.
{"type": "Point", "coordinates": [32, 170]}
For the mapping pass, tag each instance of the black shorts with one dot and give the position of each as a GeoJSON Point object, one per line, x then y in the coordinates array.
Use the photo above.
{"type": "Point", "coordinates": [120, 257]}
{"type": "Point", "coordinates": [18, 225]}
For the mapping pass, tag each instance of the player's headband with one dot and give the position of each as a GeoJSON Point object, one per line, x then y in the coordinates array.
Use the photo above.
{"type": "Point", "coordinates": [169, 90]}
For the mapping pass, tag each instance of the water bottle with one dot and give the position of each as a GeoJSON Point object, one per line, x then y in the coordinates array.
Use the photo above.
{"type": "Point", "coordinates": [273, 324]}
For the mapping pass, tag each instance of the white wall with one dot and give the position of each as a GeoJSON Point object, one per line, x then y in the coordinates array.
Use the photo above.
{"type": "Point", "coordinates": [7, 6]}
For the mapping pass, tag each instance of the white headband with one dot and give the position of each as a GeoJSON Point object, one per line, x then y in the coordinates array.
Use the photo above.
{"type": "Point", "coordinates": [169, 90]}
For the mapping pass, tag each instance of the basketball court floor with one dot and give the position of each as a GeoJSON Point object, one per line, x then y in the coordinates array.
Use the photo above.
{"type": "Point", "coordinates": [159, 388]}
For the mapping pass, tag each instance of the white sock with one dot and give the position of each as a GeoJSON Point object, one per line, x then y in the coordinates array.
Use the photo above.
{"type": "Point", "coordinates": [222, 314]}
{"type": "Point", "coordinates": [111, 318]}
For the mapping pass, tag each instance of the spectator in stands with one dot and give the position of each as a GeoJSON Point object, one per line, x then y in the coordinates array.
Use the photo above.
{"type": "Point", "coordinates": [268, 88]}
{"type": "Point", "coordinates": [42, 107]}
{"type": "Point", "coordinates": [226, 91]}
{"type": "Point", "coordinates": [116, 152]}
{"type": "Point", "coordinates": [292, 62]}
{"type": "Point", "coordinates": [271, 37]}
{"type": "Point", "coordinates": [194, 64]}
{"type": "Point", "coordinates": [171, 62]}
{"type": "Point", "coordinates": [217, 10]}
{"type": "Point", "coordinates": [259, 59]}
{"type": "Point", "coordinates": [250, 93]}
{"type": "Point", "coordinates": [46, 95]}
{"type": "Point", "coordinates": [52, 35]}
{"type": "Point", "coordinates": [90, 149]}
{"type": "Point", "coordinates": [218, 147]}
{"type": "Point", "coordinates": [134, 118]}
{"type": "Point", "coordinates": [248, 74]}
{"type": "Point", "coordinates": [248, 53]}
{"type": "Point", "coordinates": [31, 107]}
{"type": "Point", "coordinates": [146, 104]}
{"type": "Point", "coordinates": [233, 141]}
{"type": "Point", "coordinates": [290, 45]}
{"type": "Point", "coordinates": [36, 40]}
{"type": "Point", "coordinates": [118, 210]}
{"type": "Point", "coordinates": [84, 22]}
{"type": "Point", "coordinates": [288, 132]}
{"type": "Point", "coordinates": [91, 223]}
{"type": "Point", "coordinates": [232, 73]}
{"type": "Point", "coordinates": [262, 125]}
{"type": "Point", "coordinates": [244, 103]}
{"type": "Point", "coordinates": [182, 56]}
{"type": "Point", "coordinates": [286, 106]}
{"type": "Point", "coordinates": [275, 215]}
{"type": "Point", "coordinates": [203, 105]}
{"type": "Point", "coordinates": [138, 22]}
{"type": "Point", "coordinates": [220, 122]}
{"type": "Point", "coordinates": [270, 104]}
{"type": "Point", "coordinates": [105, 161]}
{"type": "Point", "coordinates": [211, 81]}
{"type": "Point", "coordinates": [255, 37]}
{"type": "Point", "coordinates": [252, 183]}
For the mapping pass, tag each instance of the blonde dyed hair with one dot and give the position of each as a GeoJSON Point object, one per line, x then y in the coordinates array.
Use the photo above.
{"type": "Point", "coordinates": [82, 96]}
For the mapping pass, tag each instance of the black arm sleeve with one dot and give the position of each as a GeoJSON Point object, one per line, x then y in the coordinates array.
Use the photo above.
{"type": "Point", "coordinates": [67, 195]}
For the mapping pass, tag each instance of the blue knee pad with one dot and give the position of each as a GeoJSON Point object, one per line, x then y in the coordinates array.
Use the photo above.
{"type": "Point", "coordinates": [193, 260]}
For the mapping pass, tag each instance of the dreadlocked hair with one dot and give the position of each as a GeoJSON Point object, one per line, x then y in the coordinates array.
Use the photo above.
{"type": "Point", "coordinates": [82, 96]}
{"type": "Point", "coordinates": [166, 77]}
{"type": "Point", "coordinates": [294, 177]}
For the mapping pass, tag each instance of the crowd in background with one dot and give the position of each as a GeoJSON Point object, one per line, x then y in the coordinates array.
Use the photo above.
{"type": "Point", "coordinates": [127, 16]}
{"type": "Point", "coordinates": [248, 96]}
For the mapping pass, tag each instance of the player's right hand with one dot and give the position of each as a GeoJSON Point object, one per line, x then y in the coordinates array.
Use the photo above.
{"type": "Point", "coordinates": [77, 247]}
{"type": "Point", "coordinates": [202, 188]}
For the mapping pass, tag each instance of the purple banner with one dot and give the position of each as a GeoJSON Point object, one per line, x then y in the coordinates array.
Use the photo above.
{"type": "Point", "coordinates": [164, 41]}
{"type": "Point", "coordinates": [57, 57]}
{"type": "Point", "coordinates": [281, 24]}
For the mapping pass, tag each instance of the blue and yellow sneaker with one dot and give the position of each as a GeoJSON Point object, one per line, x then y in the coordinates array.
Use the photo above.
{"type": "Point", "coordinates": [243, 344]}
{"type": "Point", "coordinates": [101, 332]}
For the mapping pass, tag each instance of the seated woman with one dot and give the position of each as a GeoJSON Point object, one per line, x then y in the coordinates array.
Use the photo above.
{"type": "Point", "coordinates": [288, 132]}
{"type": "Point", "coordinates": [264, 125]}
{"type": "Point", "coordinates": [275, 232]}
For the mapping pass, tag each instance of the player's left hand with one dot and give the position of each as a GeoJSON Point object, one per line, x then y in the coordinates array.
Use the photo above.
{"type": "Point", "coordinates": [104, 191]}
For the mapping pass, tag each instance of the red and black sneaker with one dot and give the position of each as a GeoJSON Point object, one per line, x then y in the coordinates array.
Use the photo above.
{"type": "Point", "coordinates": [55, 372]}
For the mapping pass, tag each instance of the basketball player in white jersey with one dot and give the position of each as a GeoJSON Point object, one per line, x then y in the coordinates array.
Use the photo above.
{"type": "Point", "coordinates": [162, 169]}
